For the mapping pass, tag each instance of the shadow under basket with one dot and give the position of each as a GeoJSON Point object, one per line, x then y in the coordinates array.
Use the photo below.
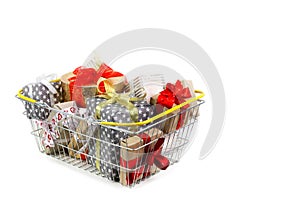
{"type": "Point", "coordinates": [133, 155]}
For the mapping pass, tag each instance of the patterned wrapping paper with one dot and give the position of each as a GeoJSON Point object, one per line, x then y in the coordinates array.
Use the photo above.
{"type": "Point", "coordinates": [109, 151]}
{"type": "Point", "coordinates": [58, 127]}
{"type": "Point", "coordinates": [91, 104]}
{"type": "Point", "coordinates": [60, 146]}
{"type": "Point", "coordinates": [41, 93]}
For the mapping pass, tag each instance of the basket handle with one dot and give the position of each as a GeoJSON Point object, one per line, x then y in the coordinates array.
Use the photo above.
{"type": "Point", "coordinates": [201, 94]}
{"type": "Point", "coordinates": [21, 96]}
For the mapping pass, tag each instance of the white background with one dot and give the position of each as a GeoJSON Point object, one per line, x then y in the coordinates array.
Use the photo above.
{"type": "Point", "coordinates": [255, 46]}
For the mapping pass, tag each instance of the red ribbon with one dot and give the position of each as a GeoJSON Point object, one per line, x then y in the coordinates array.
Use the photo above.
{"type": "Point", "coordinates": [82, 77]}
{"type": "Point", "coordinates": [174, 94]}
{"type": "Point", "coordinates": [106, 72]}
{"type": "Point", "coordinates": [151, 156]}
{"type": "Point", "coordinates": [88, 76]}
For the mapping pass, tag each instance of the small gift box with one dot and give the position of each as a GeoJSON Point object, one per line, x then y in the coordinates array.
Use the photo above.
{"type": "Point", "coordinates": [106, 151]}
{"type": "Point", "coordinates": [172, 95]}
{"type": "Point", "coordinates": [83, 83]}
{"type": "Point", "coordinates": [141, 156]}
{"type": "Point", "coordinates": [46, 92]}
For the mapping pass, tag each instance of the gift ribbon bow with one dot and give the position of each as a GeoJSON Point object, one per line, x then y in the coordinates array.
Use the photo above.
{"type": "Point", "coordinates": [151, 156]}
{"type": "Point", "coordinates": [122, 99]}
{"type": "Point", "coordinates": [109, 80]}
{"type": "Point", "coordinates": [50, 132]}
{"type": "Point", "coordinates": [174, 94]}
{"type": "Point", "coordinates": [105, 79]}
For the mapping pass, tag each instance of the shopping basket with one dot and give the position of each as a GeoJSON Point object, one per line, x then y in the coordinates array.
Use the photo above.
{"type": "Point", "coordinates": [141, 151]}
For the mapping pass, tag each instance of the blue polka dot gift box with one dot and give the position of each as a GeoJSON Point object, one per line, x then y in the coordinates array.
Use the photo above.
{"type": "Point", "coordinates": [104, 154]}
{"type": "Point", "coordinates": [49, 93]}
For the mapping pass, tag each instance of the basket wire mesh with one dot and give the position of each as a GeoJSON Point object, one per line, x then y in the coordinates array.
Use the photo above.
{"type": "Point", "coordinates": [174, 144]}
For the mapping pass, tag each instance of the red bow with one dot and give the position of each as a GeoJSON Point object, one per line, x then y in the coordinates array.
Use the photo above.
{"type": "Point", "coordinates": [174, 94]}
{"type": "Point", "coordinates": [151, 156]}
{"type": "Point", "coordinates": [88, 76]}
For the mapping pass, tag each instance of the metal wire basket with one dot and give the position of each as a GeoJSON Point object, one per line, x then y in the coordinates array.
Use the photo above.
{"type": "Point", "coordinates": [139, 151]}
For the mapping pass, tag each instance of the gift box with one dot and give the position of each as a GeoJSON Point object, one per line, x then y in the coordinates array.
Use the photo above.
{"type": "Point", "coordinates": [191, 113]}
{"type": "Point", "coordinates": [78, 140]}
{"type": "Point", "coordinates": [170, 121]}
{"type": "Point", "coordinates": [107, 149]}
{"type": "Point", "coordinates": [146, 85]}
{"type": "Point", "coordinates": [172, 95]}
{"type": "Point", "coordinates": [79, 84]}
{"type": "Point", "coordinates": [46, 92]}
{"type": "Point", "coordinates": [91, 104]}
{"type": "Point", "coordinates": [60, 126]}
{"type": "Point", "coordinates": [141, 156]}
{"type": "Point", "coordinates": [84, 83]}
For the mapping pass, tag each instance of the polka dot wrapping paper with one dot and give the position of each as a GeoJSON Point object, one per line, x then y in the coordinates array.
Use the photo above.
{"type": "Point", "coordinates": [108, 151]}
{"type": "Point", "coordinates": [41, 93]}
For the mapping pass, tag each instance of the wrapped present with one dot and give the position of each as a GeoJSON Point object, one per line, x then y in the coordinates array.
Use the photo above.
{"type": "Point", "coordinates": [172, 95]}
{"type": "Point", "coordinates": [79, 85]}
{"type": "Point", "coordinates": [59, 125]}
{"type": "Point", "coordinates": [141, 156]}
{"type": "Point", "coordinates": [91, 104]}
{"type": "Point", "coordinates": [170, 121]}
{"type": "Point", "coordinates": [109, 80]}
{"type": "Point", "coordinates": [146, 85]}
{"type": "Point", "coordinates": [50, 138]}
{"type": "Point", "coordinates": [71, 128]}
{"type": "Point", "coordinates": [83, 83]}
{"type": "Point", "coordinates": [44, 91]}
{"type": "Point", "coordinates": [192, 113]}
{"type": "Point", "coordinates": [78, 140]}
{"type": "Point", "coordinates": [106, 150]}
{"type": "Point", "coordinates": [94, 135]}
